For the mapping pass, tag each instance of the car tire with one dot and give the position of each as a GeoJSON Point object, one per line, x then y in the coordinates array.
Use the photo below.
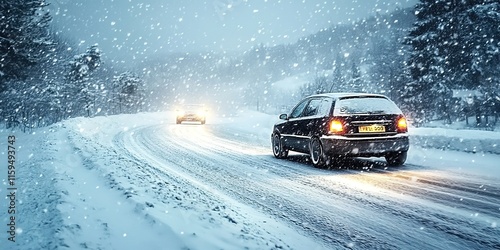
{"type": "Point", "coordinates": [203, 121]}
{"type": "Point", "coordinates": [178, 121]}
{"type": "Point", "coordinates": [396, 159]}
{"type": "Point", "coordinates": [317, 153]}
{"type": "Point", "coordinates": [278, 150]}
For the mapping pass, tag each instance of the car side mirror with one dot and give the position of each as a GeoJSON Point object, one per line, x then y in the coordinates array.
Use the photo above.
{"type": "Point", "coordinates": [284, 117]}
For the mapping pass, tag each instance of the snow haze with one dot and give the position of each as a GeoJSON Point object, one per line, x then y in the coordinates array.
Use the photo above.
{"type": "Point", "coordinates": [137, 29]}
{"type": "Point", "coordinates": [95, 155]}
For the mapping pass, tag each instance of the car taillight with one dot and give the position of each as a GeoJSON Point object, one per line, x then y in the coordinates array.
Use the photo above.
{"type": "Point", "coordinates": [336, 127]}
{"type": "Point", "coordinates": [402, 125]}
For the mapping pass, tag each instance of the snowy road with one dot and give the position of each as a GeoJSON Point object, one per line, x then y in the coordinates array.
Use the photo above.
{"type": "Point", "coordinates": [363, 205]}
{"type": "Point", "coordinates": [142, 181]}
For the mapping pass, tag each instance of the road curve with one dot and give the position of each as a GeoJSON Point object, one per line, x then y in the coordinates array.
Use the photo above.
{"type": "Point", "coordinates": [361, 204]}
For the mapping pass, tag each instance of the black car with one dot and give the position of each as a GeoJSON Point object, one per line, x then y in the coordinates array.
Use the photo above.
{"type": "Point", "coordinates": [333, 126]}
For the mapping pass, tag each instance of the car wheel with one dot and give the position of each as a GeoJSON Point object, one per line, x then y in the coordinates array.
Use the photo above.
{"type": "Point", "coordinates": [317, 153]}
{"type": "Point", "coordinates": [278, 150]}
{"type": "Point", "coordinates": [178, 121]}
{"type": "Point", "coordinates": [203, 121]}
{"type": "Point", "coordinates": [396, 159]}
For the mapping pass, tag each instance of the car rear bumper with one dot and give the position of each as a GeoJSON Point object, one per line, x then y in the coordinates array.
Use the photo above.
{"type": "Point", "coordinates": [191, 118]}
{"type": "Point", "coordinates": [366, 146]}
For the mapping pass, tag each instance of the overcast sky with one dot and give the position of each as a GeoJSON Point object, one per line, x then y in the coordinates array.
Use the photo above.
{"type": "Point", "coordinates": [132, 29]}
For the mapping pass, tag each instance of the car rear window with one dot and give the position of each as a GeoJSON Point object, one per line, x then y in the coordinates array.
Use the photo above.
{"type": "Point", "coordinates": [365, 105]}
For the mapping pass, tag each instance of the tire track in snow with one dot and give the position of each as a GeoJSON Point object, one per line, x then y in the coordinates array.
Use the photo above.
{"type": "Point", "coordinates": [203, 193]}
{"type": "Point", "coordinates": [452, 191]}
{"type": "Point", "coordinates": [216, 160]}
{"type": "Point", "coordinates": [206, 168]}
{"type": "Point", "coordinates": [463, 191]}
{"type": "Point", "coordinates": [476, 234]}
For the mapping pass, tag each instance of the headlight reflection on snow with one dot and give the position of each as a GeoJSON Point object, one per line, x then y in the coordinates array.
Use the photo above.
{"type": "Point", "coordinates": [203, 137]}
{"type": "Point", "coordinates": [192, 132]}
{"type": "Point", "coordinates": [377, 183]}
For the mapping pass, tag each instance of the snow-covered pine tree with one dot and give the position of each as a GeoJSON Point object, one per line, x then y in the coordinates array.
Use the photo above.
{"type": "Point", "coordinates": [455, 45]}
{"type": "Point", "coordinates": [338, 82]}
{"type": "Point", "coordinates": [387, 54]}
{"type": "Point", "coordinates": [24, 37]}
{"type": "Point", "coordinates": [482, 43]}
{"type": "Point", "coordinates": [127, 92]}
{"type": "Point", "coordinates": [356, 82]}
{"type": "Point", "coordinates": [80, 91]}
{"type": "Point", "coordinates": [25, 46]}
{"type": "Point", "coordinates": [426, 59]}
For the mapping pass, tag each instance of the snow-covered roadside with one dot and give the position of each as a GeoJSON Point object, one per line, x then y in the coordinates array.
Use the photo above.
{"type": "Point", "coordinates": [61, 205]}
{"type": "Point", "coordinates": [473, 141]}
{"type": "Point", "coordinates": [36, 215]}
{"type": "Point", "coordinates": [77, 191]}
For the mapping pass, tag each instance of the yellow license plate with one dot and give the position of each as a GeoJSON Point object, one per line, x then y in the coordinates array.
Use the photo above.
{"type": "Point", "coordinates": [371, 129]}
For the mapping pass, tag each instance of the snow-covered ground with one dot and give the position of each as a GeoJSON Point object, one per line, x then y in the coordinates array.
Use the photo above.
{"type": "Point", "coordinates": [141, 181]}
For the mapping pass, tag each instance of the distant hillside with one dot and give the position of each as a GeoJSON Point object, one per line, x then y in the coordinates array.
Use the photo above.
{"type": "Point", "coordinates": [367, 54]}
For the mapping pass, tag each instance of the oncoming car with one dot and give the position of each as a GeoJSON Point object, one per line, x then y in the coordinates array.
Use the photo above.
{"type": "Point", "coordinates": [332, 126]}
{"type": "Point", "coordinates": [192, 113]}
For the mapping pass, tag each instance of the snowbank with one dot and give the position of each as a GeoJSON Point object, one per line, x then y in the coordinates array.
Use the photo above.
{"type": "Point", "coordinates": [473, 141]}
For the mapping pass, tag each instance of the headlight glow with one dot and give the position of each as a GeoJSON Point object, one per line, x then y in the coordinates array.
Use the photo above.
{"type": "Point", "coordinates": [201, 113]}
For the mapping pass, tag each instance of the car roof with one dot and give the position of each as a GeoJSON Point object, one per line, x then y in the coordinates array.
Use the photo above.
{"type": "Point", "coordinates": [341, 95]}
